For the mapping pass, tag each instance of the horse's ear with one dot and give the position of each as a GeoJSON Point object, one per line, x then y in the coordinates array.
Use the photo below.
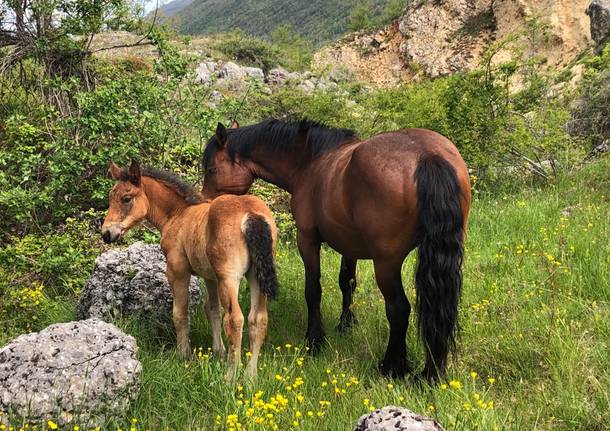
{"type": "Point", "coordinates": [114, 171]}
{"type": "Point", "coordinates": [234, 125]}
{"type": "Point", "coordinates": [135, 176]}
{"type": "Point", "coordinates": [221, 134]}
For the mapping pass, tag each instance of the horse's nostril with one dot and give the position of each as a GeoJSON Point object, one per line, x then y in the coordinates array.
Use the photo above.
{"type": "Point", "coordinates": [106, 236]}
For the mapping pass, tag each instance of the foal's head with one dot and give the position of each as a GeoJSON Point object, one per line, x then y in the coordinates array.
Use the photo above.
{"type": "Point", "coordinates": [128, 204]}
{"type": "Point", "coordinates": [223, 173]}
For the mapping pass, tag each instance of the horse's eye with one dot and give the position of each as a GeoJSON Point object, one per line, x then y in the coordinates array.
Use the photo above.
{"type": "Point", "coordinates": [212, 170]}
{"type": "Point", "coordinates": [126, 199]}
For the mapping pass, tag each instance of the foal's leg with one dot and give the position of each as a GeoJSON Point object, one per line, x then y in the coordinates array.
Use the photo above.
{"type": "Point", "coordinates": [397, 309]}
{"type": "Point", "coordinates": [179, 279]}
{"type": "Point", "coordinates": [233, 321]}
{"type": "Point", "coordinates": [309, 248]}
{"type": "Point", "coordinates": [212, 311]}
{"type": "Point", "coordinates": [257, 322]}
{"type": "Point", "coordinates": [347, 282]}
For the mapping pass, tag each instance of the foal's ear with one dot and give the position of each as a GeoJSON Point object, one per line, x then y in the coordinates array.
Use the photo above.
{"type": "Point", "coordinates": [234, 125]}
{"type": "Point", "coordinates": [221, 134]}
{"type": "Point", "coordinates": [114, 171]}
{"type": "Point", "coordinates": [135, 176]}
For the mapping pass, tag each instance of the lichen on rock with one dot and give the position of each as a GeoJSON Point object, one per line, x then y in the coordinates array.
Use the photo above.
{"type": "Point", "coordinates": [80, 372]}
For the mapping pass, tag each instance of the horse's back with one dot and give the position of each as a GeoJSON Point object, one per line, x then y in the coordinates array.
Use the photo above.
{"type": "Point", "coordinates": [378, 186]}
{"type": "Point", "coordinates": [236, 207]}
{"type": "Point", "coordinates": [227, 248]}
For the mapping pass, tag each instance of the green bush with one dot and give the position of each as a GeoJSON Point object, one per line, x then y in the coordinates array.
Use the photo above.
{"type": "Point", "coordinates": [37, 270]}
{"type": "Point", "coordinates": [590, 117]}
{"type": "Point", "coordinates": [249, 50]}
{"type": "Point", "coordinates": [52, 166]}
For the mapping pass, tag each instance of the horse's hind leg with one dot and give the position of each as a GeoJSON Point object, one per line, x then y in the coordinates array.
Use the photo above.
{"type": "Point", "coordinates": [233, 321]}
{"type": "Point", "coordinates": [397, 310]}
{"type": "Point", "coordinates": [212, 311]}
{"type": "Point", "coordinates": [257, 322]}
{"type": "Point", "coordinates": [347, 283]}
{"type": "Point", "coordinates": [179, 281]}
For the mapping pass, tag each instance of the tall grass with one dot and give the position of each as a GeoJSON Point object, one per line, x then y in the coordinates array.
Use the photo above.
{"type": "Point", "coordinates": [533, 347]}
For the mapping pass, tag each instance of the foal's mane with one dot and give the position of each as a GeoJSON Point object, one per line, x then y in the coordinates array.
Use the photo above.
{"type": "Point", "coordinates": [171, 180]}
{"type": "Point", "coordinates": [280, 136]}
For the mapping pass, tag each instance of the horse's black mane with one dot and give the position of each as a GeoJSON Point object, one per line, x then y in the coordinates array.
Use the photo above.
{"type": "Point", "coordinates": [171, 180]}
{"type": "Point", "coordinates": [279, 135]}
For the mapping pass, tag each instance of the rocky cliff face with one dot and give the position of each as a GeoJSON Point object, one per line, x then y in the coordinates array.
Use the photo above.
{"type": "Point", "coordinates": [443, 37]}
{"type": "Point", "coordinates": [440, 37]}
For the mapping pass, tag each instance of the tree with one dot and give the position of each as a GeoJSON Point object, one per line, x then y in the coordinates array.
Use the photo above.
{"type": "Point", "coordinates": [360, 16]}
{"type": "Point", "coordinates": [297, 49]}
{"type": "Point", "coordinates": [58, 33]}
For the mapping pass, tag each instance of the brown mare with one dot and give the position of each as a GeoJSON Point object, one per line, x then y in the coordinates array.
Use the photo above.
{"type": "Point", "coordinates": [376, 199]}
{"type": "Point", "coordinates": [221, 241]}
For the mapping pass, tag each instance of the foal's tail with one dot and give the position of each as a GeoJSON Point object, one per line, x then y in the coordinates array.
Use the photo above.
{"type": "Point", "coordinates": [260, 247]}
{"type": "Point", "coordinates": [438, 277]}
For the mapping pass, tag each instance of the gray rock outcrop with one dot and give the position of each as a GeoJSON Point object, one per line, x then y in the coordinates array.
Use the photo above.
{"type": "Point", "coordinates": [235, 72]}
{"type": "Point", "coordinates": [279, 76]}
{"type": "Point", "coordinates": [254, 72]}
{"type": "Point", "coordinates": [231, 71]}
{"type": "Point", "coordinates": [81, 372]}
{"type": "Point", "coordinates": [205, 71]}
{"type": "Point", "coordinates": [599, 14]}
{"type": "Point", "coordinates": [392, 418]}
{"type": "Point", "coordinates": [131, 281]}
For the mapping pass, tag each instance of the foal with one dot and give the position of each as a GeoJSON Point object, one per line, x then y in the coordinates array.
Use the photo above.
{"type": "Point", "coordinates": [220, 240]}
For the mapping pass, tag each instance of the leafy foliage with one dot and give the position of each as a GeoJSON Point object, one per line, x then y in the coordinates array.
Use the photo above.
{"type": "Point", "coordinates": [591, 114]}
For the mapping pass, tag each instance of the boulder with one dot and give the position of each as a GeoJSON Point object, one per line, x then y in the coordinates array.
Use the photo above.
{"type": "Point", "coordinates": [81, 372]}
{"type": "Point", "coordinates": [392, 418]}
{"type": "Point", "coordinates": [599, 14]}
{"type": "Point", "coordinates": [308, 86]}
{"type": "Point", "coordinates": [231, 71]}
{"type": "Point", "coordinates": [254, 72]}
{"type": "Point", "coordinates": [130, 281]}
{"type": "Point", "coordinates": [279, 76]}
{"type": "Point", "coordinates": [205, 71]}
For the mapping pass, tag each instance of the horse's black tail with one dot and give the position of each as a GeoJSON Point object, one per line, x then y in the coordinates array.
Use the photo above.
{"type": "Point", "coordinates": [438, 276]}
{"type": "Point", "coordinates": [260, 247]}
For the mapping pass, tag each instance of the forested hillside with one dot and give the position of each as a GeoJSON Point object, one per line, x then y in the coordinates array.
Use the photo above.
{"type": "Point", "coordinates": [318, 20]}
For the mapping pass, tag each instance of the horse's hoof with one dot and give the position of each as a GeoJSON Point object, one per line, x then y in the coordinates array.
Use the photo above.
{"type": "Point", "coordinates": [346, 322]}
{"type": "Point", "coordinates": [394, 369]}
{"type": "Point", "coordinates": [315, 343]}
{"type": "Point", "coordinates": [428, 376]}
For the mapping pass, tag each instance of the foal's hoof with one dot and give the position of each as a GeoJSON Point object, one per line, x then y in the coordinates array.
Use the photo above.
{"type": "Point", "coordinates": [346, 322]}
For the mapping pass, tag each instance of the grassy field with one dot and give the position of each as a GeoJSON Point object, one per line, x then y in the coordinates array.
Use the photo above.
{"type": "Point", "coordinates": [534, 349]}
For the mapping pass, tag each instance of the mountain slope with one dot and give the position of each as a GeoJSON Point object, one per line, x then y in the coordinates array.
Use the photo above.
{"type": "Point", "coordinates": [318, 20]}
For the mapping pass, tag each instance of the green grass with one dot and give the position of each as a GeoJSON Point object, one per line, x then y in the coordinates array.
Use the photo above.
{"type": "Point", "coordinates": [534, 316]}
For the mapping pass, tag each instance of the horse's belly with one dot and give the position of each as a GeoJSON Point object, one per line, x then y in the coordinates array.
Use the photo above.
{"type": "Point", "coordinates": [202, 267]}
{"type": "Point", "coordinates": [345, 241]}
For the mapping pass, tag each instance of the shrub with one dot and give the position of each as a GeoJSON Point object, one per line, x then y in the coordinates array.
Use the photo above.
{"type": "Point", "coordinates": [248, 50]}
{"type": "Point", "coordinates": [52, 166]}
{"type": "Point", "coordinates": [590, 116]}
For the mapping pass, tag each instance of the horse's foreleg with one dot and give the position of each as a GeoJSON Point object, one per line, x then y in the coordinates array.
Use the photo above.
{"type": "Point", "coordinates": [347, 283]}
{"type": "Point", "coordinates": [212, 311]}
{"type": "Point", "coordinates": [397, 310]}
{"type": "Point", "coordinates": [233, 322]}
{"type": "Point", "coordinates": [309, 248]}
{"type": "Point", "coordinates": [257, 322]}
{"type": "Point", "coordinates": [179, 281]}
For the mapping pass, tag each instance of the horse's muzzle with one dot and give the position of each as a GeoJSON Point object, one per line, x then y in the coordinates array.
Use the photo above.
{"type": "Point", "coordinates": [111, 234]}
